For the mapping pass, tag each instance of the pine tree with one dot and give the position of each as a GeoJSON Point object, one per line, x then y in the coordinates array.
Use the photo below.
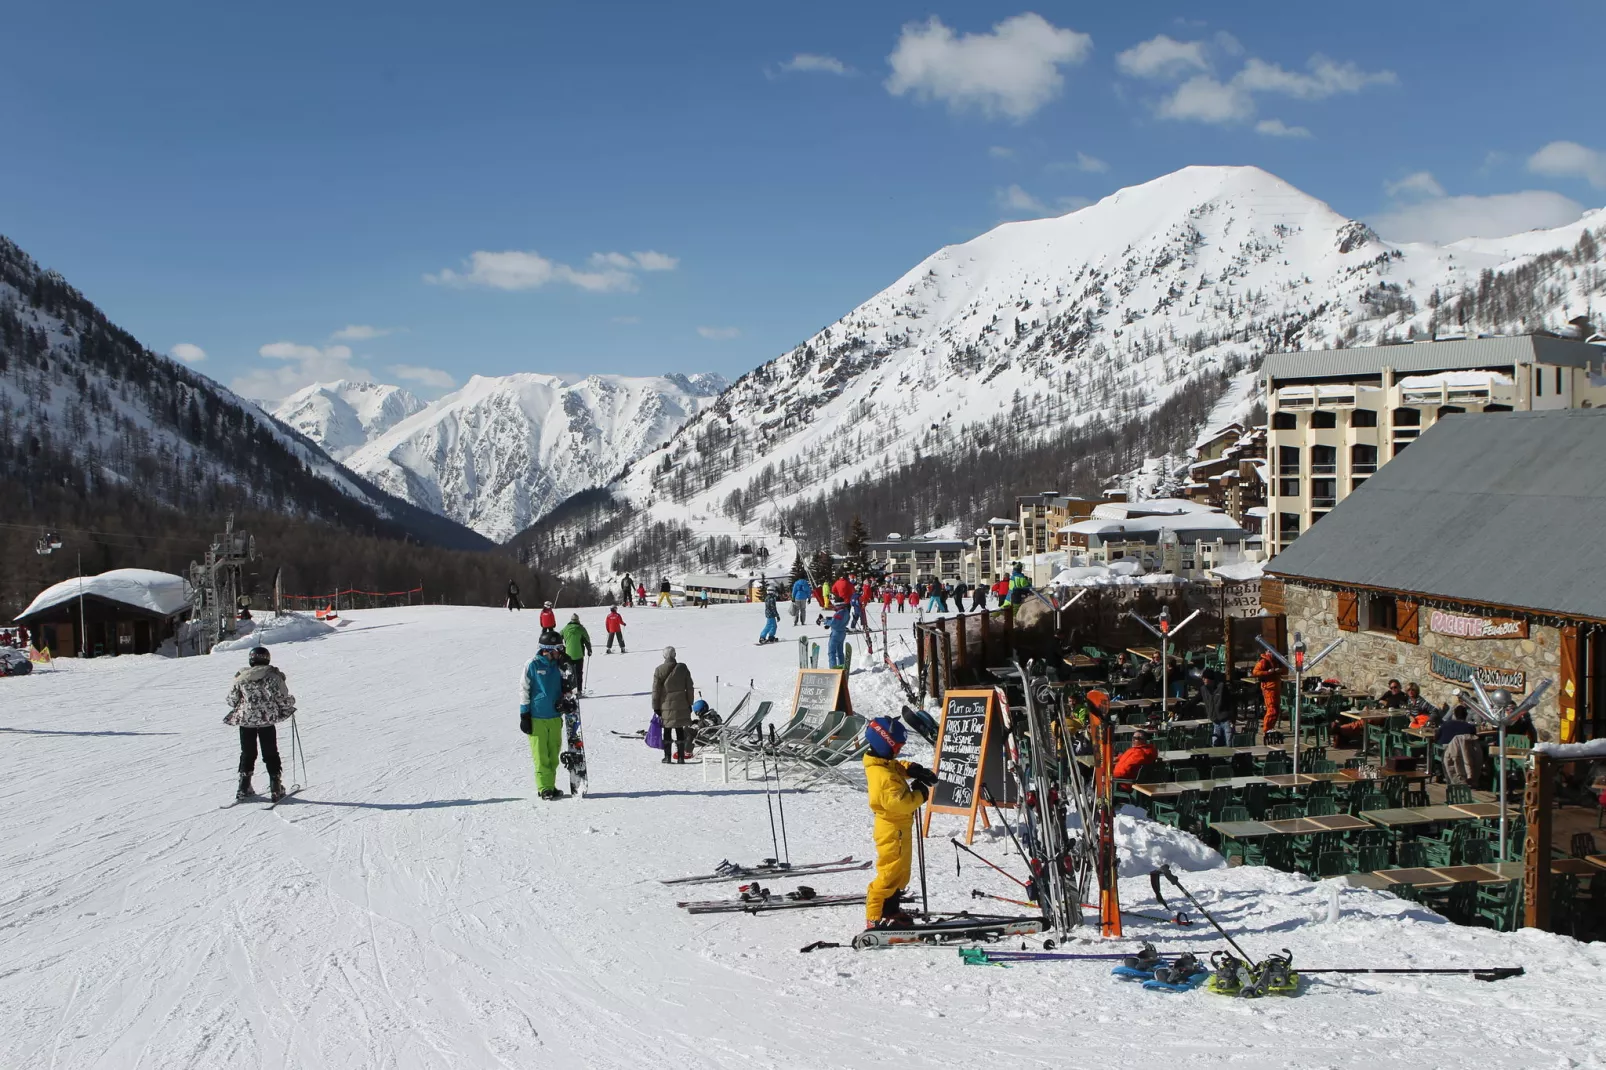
{"type": "Point", "coordinates": [798, 570]}
{"type": "Point", "coordinates": [854, 545]}
{"type": "Point", "coordinates": [822, 568]}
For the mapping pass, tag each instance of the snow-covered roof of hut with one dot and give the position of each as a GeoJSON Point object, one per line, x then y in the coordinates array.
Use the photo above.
{"type": "Point", "coordinates": [142, 588]}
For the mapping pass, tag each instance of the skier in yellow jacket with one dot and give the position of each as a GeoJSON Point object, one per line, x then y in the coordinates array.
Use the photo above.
{"type": "Point", "coordinates": [893, 800]}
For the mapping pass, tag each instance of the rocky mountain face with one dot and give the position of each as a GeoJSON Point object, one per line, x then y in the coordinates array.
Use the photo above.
{"type": "Point", "coordinates": [79, 395]}
{"type": "Point", "coordinates": [343, 416]}
{"type": "Point", "coordinates": [1093, 318]}
{"type": "Point", "coordinates": [501, 452]}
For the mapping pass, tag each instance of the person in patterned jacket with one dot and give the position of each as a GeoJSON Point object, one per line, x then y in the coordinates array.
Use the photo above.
{"type": "Point", "coordinates": [258, 701]}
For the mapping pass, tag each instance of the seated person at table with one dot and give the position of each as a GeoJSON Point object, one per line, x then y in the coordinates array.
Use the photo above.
{"type": "Point", "coordinates": [1454, 725]}
{"type": "Point", "coordinates": [1393, 698]}
{"type": "Point", "coordinates": [1135, 757]}
{"type": "Point", "coordinates": [1423, 713]}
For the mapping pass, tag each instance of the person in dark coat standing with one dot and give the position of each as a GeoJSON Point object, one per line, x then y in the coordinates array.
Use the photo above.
{"type": "Point", "coordinates": [258, 701]}
{"type": "Point", "coordinates": [513, 595]}
{"type": "Point", "coordinates": [672, 696]}
{"type": "Point", "coordinates": [1213, 699]}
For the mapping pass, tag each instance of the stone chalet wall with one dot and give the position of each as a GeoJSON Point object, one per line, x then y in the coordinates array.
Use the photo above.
{"type": "Point", "coordinates": [1368, 660]}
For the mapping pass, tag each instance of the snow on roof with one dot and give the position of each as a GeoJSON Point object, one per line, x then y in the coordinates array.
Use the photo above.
{"type": "Point", "coordinates": [715, 582]}
{"type": "Point", "coordinates": [1428, 382]}
{"type": "Point", "coordinates": [142, 588]}
{"type": "Point", "coordinates": [1196, 520]}
{"type": "Point", "coordinates": [1238, 571]}
{"type": "Point", "coordinates": [1257, 510]}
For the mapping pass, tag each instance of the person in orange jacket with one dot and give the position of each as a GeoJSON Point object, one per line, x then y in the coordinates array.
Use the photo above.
{"type": "Point", "coordinates": [1135, 757]}
{"type": "Point", "coordinates": [1270, 674]}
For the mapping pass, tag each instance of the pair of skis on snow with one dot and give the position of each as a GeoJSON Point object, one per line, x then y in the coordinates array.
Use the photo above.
{"type": "Point", "coordinates": [290, 792]}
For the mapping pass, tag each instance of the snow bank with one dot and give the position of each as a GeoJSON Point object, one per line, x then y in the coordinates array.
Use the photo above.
{"type": "Point", "coordinates": [1572, 752]}
{"type": "Point", "coordinates": [290, 628]}
{"type": "Point", "coordinates": [143, 588]}
{"type": "Point", "coordinates": [1238, 571]}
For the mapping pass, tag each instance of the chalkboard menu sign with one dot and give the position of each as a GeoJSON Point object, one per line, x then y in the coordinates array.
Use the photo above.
{"type": "Point", "coordinates": [817, 690]}
{"type": "Point", "coordinates": [970, 754]}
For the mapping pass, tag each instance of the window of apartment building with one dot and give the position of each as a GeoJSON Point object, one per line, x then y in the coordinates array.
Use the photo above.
{"type": "Point", "coordinates": [1323, 460]}
{"type": "Point", "coordinates": [1288, 460]}
{"type": "Point", "coordinates": [1288, 525]}
{"type": "Point", "coordinates": [1288, 488]}
{"type": "Point", "coordinates": [1399, 447]}
{"type": "Point", "coordinates": [1323, 493]}
{"type": "Point", "coordinates": [1363, 459]}
{"type": "Point", "coordinates": [1404, 417]}
{"type": "Point", "coordinates": [1284, 421]}
{"type": "Point", "coordinates": [1316, 516]}
{"type": "Point", "coordinates": [1497, 408]}
{"type": "Point", "coordinates": [1378, 613]}
{"type": "Point", "coordinates": [1449, 410]}
{"type": "Point", "coordinates": [1324, 418]}
{"type": "Point", "coordinates": [1363, 418]}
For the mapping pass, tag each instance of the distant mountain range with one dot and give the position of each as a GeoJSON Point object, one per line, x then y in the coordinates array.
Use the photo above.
{"type": "Point", "coordinates": [501, 452]}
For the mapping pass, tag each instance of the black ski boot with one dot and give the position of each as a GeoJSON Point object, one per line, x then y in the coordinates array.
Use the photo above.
{"type": "Point", "coordinates": [275, 787]}
{"type": "Point", "coordinates": [1147, 958]}
{"type": "Point", "coordinates": [245, 790]}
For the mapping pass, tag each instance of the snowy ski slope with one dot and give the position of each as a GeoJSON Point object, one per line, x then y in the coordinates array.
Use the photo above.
{"type": "Point", "coordinates": [415, 907]}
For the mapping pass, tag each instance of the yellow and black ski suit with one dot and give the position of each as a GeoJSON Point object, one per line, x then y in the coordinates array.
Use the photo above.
{"type": "Point", "coordinates": [894, 802]}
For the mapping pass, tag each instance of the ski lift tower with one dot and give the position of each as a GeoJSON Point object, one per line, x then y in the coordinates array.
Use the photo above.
{"type": "Point", "coordinates": [217, 583]}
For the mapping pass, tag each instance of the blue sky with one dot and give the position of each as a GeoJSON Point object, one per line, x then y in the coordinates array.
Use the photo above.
{"type": "Point", "coordinates": [423, 192]}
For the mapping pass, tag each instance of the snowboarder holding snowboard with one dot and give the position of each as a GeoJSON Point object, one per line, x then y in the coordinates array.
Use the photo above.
{"type": "Point", "coordinates": [615, 626]}
{"type": "Point", "coordinates": [896, 790]}
{"type": "Point", "coordinates": [539, 717]}
{"type": "Point", "coordinates": [258, 701]}
{"type": "Point", "coordinates": [577, 644]}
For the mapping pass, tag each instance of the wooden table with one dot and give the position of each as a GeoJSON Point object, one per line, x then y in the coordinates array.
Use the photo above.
{"type": "Point", "coordinates": [1306, 826]}
{"type": "Point", "coordinates": [1362, 774]}
{"type": "Point", "coordinates": [1242, 830]}
{"type": "Point", "coordinates": [1400, 817]}
{"type": "Point", "coordinates": [1217, 752]}
{"type": "Point", "coordinates": [1368, 716]}
{"type": "Point", "coordinates": [1443, 813]}
{"type": "Point", "coordinates": [1300, 780]}
{"type": "Point", "coordinates": [1575, 867]}
{"type": "Point", "coordinates": [1597, 860]}
{"type": "Point", "coordinates": [1367, 880]}
{"type": "Point", "coordinates": [1479, 810]}
{"type": "Point", "coordinates": [1177, 787]}
{"type": "Point", "coordinates": [1443, 876]}
{"type": "Point", "coordinates": [1147, 653]}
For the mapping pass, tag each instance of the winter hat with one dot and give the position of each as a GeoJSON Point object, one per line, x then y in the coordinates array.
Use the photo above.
{"type": "Point", "coordinates": [885, 736]}
{"type": "Point", "coordinates": [574, 618]}
{"type": "Point", "coordinates": [259, 655]}
{"type": "Point", "coordinates": [669, 653]}
{"type": "Point", "coordinates": [550, 640]}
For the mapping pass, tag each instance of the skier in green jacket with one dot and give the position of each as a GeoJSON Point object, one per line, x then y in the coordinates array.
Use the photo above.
{"type": "Point", "coordinates": [577, 644]}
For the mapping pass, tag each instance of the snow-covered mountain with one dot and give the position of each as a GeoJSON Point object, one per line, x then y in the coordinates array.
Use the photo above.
{"type": "Point", "coordinates": [1104, 312]}
{"type": "Point", "coordinates": [343, 415]}
{"type": "Point", "coordinates": [500, 452]}
{"type": "Point", "coordinates": [82, 403]}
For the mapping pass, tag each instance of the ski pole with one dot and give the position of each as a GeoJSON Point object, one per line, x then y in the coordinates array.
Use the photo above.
{"type": "Point", "coordinates": [977, 893]}
{"type": "Point", "coordinates": [984, 861]}
{"type": "Point", "coordinates": [764, 769]}
{"type": "Point", "coordinates": [987, 793]}
{"type": "Point", "coordinates": [920, 849]}
{"type": "Point", "coordinates": [296, 752]}
{"type": "Point", "coordinates": [1165, 871]}
{"type": "Point", "coordinates": [1486, 973]}
{"type": "Point", "coordinates": [780, 798]}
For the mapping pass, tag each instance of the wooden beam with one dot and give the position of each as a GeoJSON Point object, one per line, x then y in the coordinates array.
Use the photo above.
{"type": "Point", "coordinates": [1536, 803]}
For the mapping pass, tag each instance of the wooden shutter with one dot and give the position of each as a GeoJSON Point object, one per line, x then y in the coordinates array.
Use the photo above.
{"type": "Point", "coordinates": [1349, 611]}
{"type": "Point", "coordinates": [1271, 596]}
{"type": "Point", "coordinates": [1405, 621]}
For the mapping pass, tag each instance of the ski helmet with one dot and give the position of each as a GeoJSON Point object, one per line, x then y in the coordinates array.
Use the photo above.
{"type": "Point", "coordinates": [259, 655]}
{"type": "Point", "coordinates": [550, 640]}
{"type": "Point", "coordinates": [886, 737]}
{"type": "Point", "coordinates": [699, 706]}
{"type": "Point", "coordinates": [546, 605]}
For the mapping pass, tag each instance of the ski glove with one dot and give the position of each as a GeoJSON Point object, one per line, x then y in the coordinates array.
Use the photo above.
{"type": "Point", "coordinates": [524, 723]}
{"type": "Point", "coordinates": [921, 775]}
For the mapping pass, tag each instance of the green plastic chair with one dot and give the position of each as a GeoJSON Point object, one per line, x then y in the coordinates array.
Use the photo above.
{"type": "Point", "coordinates": [1176, 811]}
{"type": "Point", "coordinates": [1277, 767]}
{"type": "Point", "coordinates": [1324, 765]}
{"type": "Point", "coordinates": [1285, 812]}
{"type": "Point", "coordinates": [1375, 801]}
{"type": "Point", "coordinates": [1498, 904]}
{"type": "Point", "coordinates": [1457, 794]}
{"type": "Point", "coordinates": [1243, 739]}
{"type": "Point", "coordinates": [1331, 864]}
{"type": "Point", "coordinates": [1234, 813]}
{"type": "Point", "coordinates": [1321, 807]}
{"type": "Point", "coordinates": [1256, 799]}
{"type": "Point", "coordinates": [1371, 859]}
{"type": "Point", "coordinates": [1221, 772]}
{"type": "Point", "coordinates": [1411, 855]}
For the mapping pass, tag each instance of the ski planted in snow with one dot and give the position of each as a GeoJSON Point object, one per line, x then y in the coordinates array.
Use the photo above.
{"type": "Point", "coordinates": [727, 871]}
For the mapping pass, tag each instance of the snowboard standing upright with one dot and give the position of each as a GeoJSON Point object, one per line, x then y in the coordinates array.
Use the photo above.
{"type": "Point", "coordinates": [573, 757]}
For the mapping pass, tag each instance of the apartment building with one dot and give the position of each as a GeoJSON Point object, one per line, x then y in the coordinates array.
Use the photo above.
{"type": "Point", "coordinates": [908, 560]}
{"type": "Point", "coordinates": [996, 546]}
{"type": "Point", "coordinates": [1334, 416]}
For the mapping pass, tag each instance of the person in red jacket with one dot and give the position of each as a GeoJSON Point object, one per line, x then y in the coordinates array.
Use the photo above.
{"type": "Point", "coordinates": [1135, 757]}
{"type": "Point", "coordinates": [549, 619]}
{"type": "Point", "coordinates": [615, 626]}
{"type": "Point", "coordinates": [843, 588]}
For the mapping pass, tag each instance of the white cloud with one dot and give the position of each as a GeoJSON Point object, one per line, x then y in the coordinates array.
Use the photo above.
{"type": "Point", "coordinates": [1090, 164]}
{"type": "Point", "coordinates": [1204, 99]}
{"type": "Point", "coordinates": [813, 63]}
{"type": "Point", "coordinates": [1011, 72]}
{"type": "Point", "coordinates": [360, 332]}
{"type": "Point", "coordinates": [719, 333]}
{"type": "Point", "coordinates": [1000, 152]}
{"type": "Point", "coordinates": [431, 377]}
{"type": "Point", "coordinates": [1448, 219]}
{"type": "Point", "coordinates": [189, 354]}
{"type": "Point", "coordinates": [297, 366]}
{"type": "Point", "coordinates": [1278, 128]}
{"type": "Point", "coordinates": [1163, 57]}
{"type": "Point", "coordinates": [1416, 184]}
{"type": "Point", "coordinates": [651, 261]}
{"type": "Point", "coordinates": [1569, 159]}
{"type": "Point", "coordinates": [1326, 78]}
{"type": "Point", "coordinates": [514, 270]}
{"type": "Point", "coordinates": [1016, 200]}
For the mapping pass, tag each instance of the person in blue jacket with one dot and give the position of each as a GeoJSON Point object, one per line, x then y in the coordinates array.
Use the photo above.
{"type": "Point", "coordinates": [802, 591]}
{"type": "Point", "coordinates": [836, 649]}
{"type": "Point", "coordinates": [538, 712]}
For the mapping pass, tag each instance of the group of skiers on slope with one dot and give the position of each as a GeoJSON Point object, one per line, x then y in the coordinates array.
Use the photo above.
{"type": "Point", "coordinates": [632, 593]}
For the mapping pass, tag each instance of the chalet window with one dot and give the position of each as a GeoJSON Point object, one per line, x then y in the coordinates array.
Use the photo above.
{"type": "Point", "coordinates": [1323, 418]}
{"type": "Point", "coordinates": [1380, 613]}
{"type": "Point", "coordinates": [1363, 418]}
{"type": "Point", "coordinates": [1347, 610]}
{"type": "Point", "coordinates": [1558, 382]}
{"type": "Point", "coordinates": [1284, 421]}
{"type": "Point", "coordinates": [1539, 382]}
